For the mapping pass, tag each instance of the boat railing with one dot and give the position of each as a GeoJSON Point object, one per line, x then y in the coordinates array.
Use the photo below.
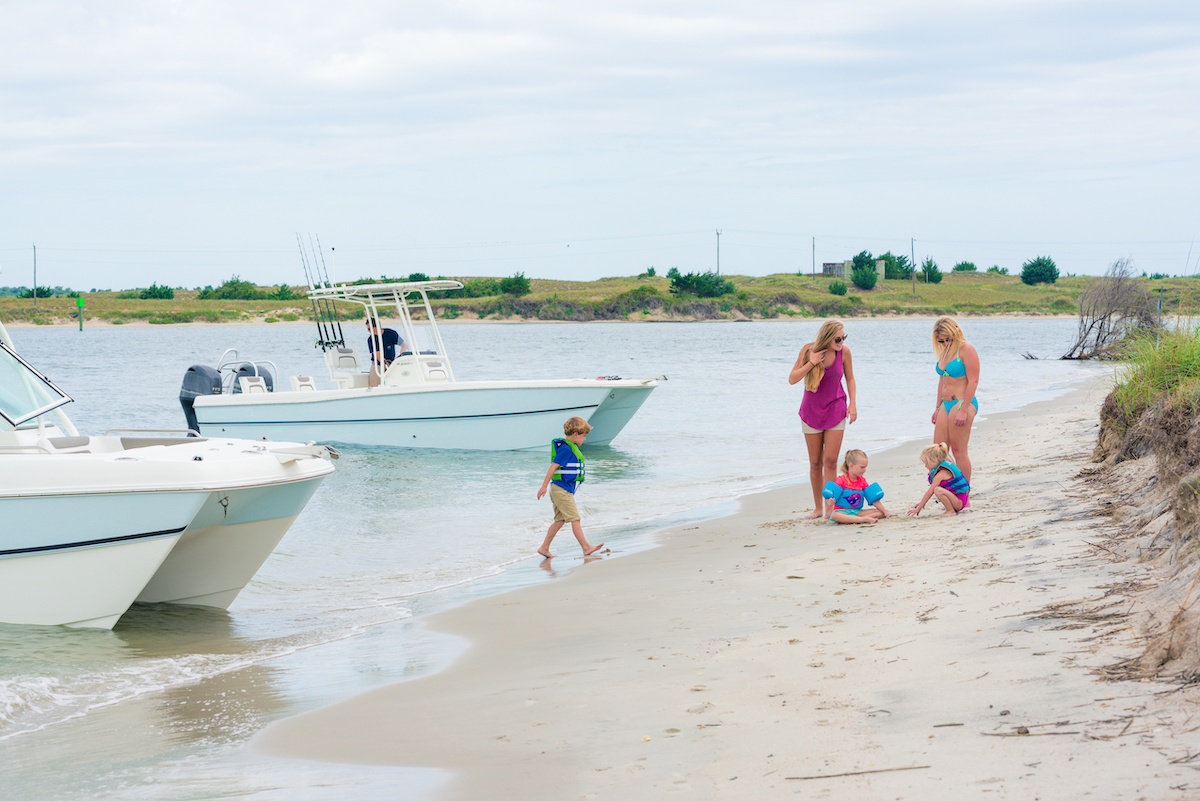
{"type": "Point", "coordinates": [164, 432]}
{"type": "Point", "coordinates": [229, 367]}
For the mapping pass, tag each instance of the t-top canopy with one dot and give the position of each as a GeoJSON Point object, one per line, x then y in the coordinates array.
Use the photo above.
{"type": "Point", "coordinates": [381, 292]}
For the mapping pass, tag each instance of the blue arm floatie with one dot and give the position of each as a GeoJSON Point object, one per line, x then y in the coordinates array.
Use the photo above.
{"type": "Point", "coordinates": [852, 499]}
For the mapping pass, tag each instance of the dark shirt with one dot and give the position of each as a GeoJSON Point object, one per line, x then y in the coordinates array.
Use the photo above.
{"type": "Point", "coordinates": [391, 340]}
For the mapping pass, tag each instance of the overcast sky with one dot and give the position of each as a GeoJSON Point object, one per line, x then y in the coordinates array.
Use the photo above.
{"type": "Point", "coordinates": [185, 142]}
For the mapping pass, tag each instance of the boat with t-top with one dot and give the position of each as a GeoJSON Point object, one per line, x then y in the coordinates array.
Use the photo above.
{"type": "Point", "coordinates": [415, 401]}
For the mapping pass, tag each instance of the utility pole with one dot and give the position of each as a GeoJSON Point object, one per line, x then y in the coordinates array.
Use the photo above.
{"type": "Point", "coordinates": [814, 256]}
{"type": "Point", "coordinates": [718, 251]}
{"type": "Point", "coordinates": [35, 277]}
{"type": "Point", "coordinates": [912, 259]}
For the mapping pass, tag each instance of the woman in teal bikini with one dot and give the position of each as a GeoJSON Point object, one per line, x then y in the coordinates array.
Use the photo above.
{"type": "Point", "coordinates": [958, 377]}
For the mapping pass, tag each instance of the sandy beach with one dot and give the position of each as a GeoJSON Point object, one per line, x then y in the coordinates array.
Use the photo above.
{"type": "Point", "coordinates": [760, 654]}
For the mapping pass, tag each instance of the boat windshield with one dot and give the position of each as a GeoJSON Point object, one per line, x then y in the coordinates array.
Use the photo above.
{"type": "Point", "coordinates": [426, 341]}
{"type": "Point", "coordinates": [24, 392]}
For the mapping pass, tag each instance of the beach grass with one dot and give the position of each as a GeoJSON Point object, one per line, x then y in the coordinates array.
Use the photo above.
{"type": "Point", "coordinates": [1164, 366]}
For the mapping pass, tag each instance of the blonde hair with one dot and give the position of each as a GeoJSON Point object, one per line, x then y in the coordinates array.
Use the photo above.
{"type": "Point", "coordinates": [935, 454]}
{"type": "Point", "coordinates": [947, 328]}
{"type": "Point", "coordinates": [824, 339]}
{"type": "Point", "coordinates": [853, 456]}
{"type": "Point", "coordinates": [575, 425]}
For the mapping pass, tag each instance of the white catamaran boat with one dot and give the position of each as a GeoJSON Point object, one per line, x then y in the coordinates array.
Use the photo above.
{"type": "Point", "coordinates": [417, 402]}
{"type": "Point", "coordinates": [89, 524]}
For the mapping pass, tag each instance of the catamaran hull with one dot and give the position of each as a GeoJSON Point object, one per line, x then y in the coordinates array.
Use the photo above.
{"type": "Point", "coordinates": [230, 538]}
{"type": "Point", "coordinates": [81, 560]}
{"type": "Point", "coordinates": [490, 416]}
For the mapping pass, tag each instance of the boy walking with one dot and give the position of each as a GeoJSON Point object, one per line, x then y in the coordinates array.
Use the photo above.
{"type": "Point", "coordinates": [566, 472]}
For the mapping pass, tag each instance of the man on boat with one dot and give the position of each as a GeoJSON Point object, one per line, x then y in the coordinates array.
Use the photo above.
{"type": "Point", "coordinates": [387, 341]}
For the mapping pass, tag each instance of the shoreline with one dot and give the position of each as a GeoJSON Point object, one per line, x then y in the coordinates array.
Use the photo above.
{"type": "Point", "coordinates": [764, 650]}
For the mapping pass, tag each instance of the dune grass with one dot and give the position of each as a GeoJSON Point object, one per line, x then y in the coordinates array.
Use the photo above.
{"type": "Point", "coordinates": [1167, 366]}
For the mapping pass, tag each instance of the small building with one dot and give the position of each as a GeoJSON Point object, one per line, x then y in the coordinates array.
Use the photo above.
{"type": "Point", "coordinates": [844, 269]}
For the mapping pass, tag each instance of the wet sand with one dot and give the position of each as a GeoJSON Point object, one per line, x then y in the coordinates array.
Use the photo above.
{"type": "Point", "coordinates": [762, 654]}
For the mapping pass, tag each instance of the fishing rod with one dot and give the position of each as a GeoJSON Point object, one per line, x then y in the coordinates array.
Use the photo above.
{"type": "Point", "coordinates": [322, 308]}
{"type": "Point", "coordinates": [328, 283]}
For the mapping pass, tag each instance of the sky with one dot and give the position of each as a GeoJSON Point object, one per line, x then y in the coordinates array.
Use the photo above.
{"type": "Point", "coordinates": [183, 143]}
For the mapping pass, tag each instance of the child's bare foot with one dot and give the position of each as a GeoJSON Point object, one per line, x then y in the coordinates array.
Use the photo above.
{"type": "Point", "coordinates": [545, 554]}
{"type": "Point", "coordinates": [949, 513]}
{"type": "Point", "coordinates": [813, 515]}
{"type": "Point", "coordinates": [593, 549]}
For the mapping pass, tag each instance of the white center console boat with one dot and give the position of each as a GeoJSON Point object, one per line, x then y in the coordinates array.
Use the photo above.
{"type": "Point", "coordinates": [415, 402]}
{"type": "Point", "coordinates": [89, 524]}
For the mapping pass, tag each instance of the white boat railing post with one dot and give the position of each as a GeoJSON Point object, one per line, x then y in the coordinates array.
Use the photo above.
{"type": "Point", "coordinates": [437, 336]}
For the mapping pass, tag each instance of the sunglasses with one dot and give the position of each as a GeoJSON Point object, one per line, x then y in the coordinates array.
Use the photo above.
{"type": "Point", "coordinates": [944, 341]}
{"type": "Point", "coordinates": [838, 340]}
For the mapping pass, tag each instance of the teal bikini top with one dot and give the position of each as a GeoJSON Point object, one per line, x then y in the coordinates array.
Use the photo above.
{"type": "Point", "coordinates": [954, 368]}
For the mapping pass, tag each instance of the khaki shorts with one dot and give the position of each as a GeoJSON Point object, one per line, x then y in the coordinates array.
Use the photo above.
{"type": "Point", "coordinates": [564, 505]}
{"type": "Point", "coordinates": [810, 430]}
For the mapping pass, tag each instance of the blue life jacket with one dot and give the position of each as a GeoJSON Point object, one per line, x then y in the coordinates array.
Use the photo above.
{"type": "Point", "coordinates": [957, 483]}
{"type": "Point", "coordinates": [572, 471]}
{"type": "Point", "coordinates": [852, 499]}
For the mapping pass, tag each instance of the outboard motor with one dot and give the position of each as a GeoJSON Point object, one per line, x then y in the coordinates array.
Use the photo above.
{"type": "Point", "coordinates": [259, 369]}
{"type": "Point", "coordinates": [200, 379]}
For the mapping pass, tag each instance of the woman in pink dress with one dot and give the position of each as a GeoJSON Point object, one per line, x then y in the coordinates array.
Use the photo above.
{"type": "Point", "coordinates": [826, 408]}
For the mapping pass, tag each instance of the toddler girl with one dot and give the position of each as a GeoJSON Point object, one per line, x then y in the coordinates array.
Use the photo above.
{"type": "Point", "coordinates": [855, 501]}
{"type": "Point", "coordinates": [946, 482]}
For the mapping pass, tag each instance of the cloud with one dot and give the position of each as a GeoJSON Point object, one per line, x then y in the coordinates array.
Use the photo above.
{"type": "Point", "coordinates": [1008, 118]}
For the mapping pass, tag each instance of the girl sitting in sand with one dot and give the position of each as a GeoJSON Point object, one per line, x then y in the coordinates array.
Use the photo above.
{"type": "Point", "coordinates": [946, 482]}
{"type": "Point", "coordinates": [854, 500]}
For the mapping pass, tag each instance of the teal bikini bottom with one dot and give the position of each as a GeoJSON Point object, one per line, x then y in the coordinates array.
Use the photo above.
{"type": "Point", "coordinates": [950, 404]}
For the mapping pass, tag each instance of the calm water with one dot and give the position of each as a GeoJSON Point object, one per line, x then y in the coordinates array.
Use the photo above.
{"type": "Point", "coordinates": [162, 706]}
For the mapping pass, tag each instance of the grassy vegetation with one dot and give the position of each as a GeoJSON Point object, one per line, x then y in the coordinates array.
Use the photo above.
{"type": "Point", "coordinates": [633, 298]}
{"type": "Point", "coordinates": [1166, 368]}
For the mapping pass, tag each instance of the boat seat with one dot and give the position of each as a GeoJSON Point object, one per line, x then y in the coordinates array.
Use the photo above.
{"type": "Point", "coordinates": [303, 383]}
{"type": "Point", "coordinates": [68, 444]}
{"type": "Point", "coordinates": [342, 359]}
{"type": "Point", "coordinates": [343, 367]}
{"type": "Point", "coordinates": [252, 383]}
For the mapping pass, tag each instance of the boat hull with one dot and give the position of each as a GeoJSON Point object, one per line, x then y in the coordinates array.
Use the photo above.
{"type": "Point", "coordinates": [81, 560]}
{"type": "Point", "coordinates": [460, 415]}
{"type": "Point", "coordinates": [231, 537]}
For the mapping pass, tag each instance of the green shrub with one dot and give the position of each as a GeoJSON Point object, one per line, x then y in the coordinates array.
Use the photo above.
{"type": "Point", "coordinates": [964, 267]}
{"type": "Point", "coordinates": [283, 292]}
{"type": "Point", "coordinates": [930, 269]}
{"type": "Point", "coordinates": [702, 285]}
{"type": "Point", "coordinates": [516, 285]}
{"type": "Point", "coordinates": [480, 288]}
{"type": "Point", "coordinates": [156, 292]}
{"type": "Point", "coordinates": [998, 270]}
{"type": "Point", "coordinates": [1041, 270]}
{"type": "Point", "coordinates": [895, 266]}
{"type": "Point", "coordinates": [233, 289]}
{"type": "Point", "coordinates": [837, 287]}
{"type": "Point", "coordinates": [864, 276]}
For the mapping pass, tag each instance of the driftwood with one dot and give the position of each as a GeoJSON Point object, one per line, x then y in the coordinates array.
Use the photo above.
{"type": "Point", "coordinates": [1111, 308]}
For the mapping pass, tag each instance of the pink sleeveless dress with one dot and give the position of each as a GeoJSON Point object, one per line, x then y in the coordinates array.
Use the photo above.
{"type": "Point", "coordinates": [826, 406]}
